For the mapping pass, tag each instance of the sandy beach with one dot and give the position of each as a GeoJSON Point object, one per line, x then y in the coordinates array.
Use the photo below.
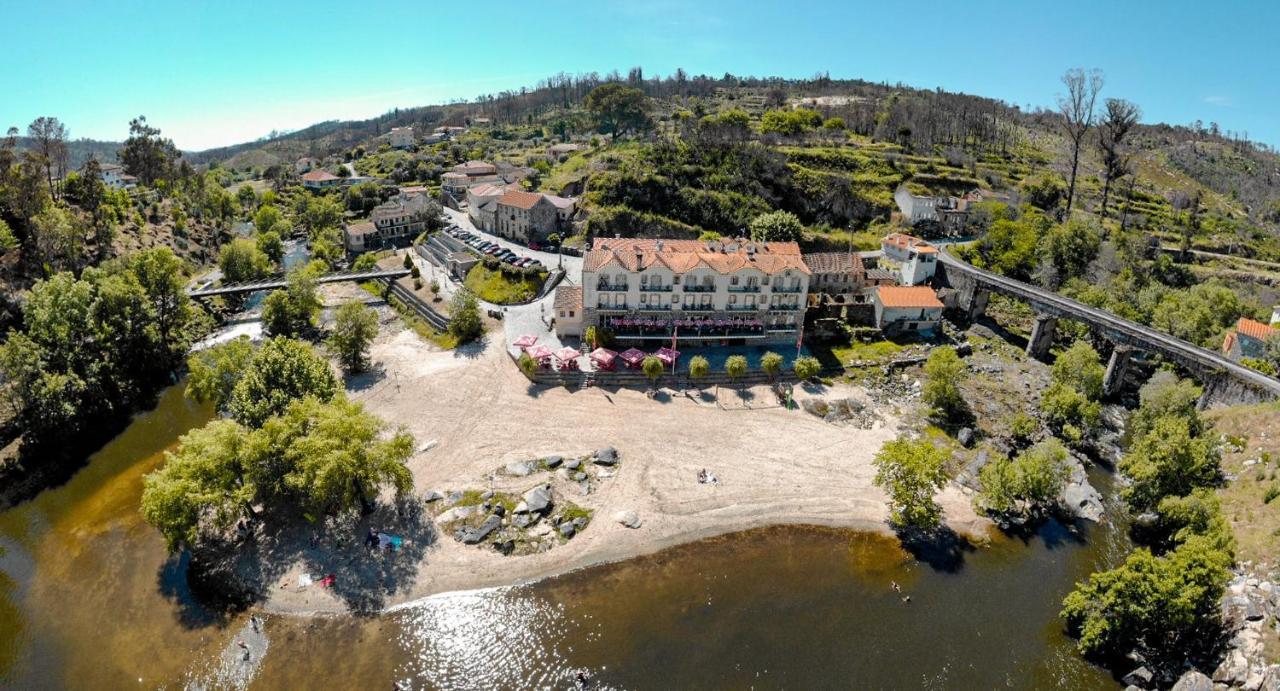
{"type": "Point", "coordinates": [478, 413]}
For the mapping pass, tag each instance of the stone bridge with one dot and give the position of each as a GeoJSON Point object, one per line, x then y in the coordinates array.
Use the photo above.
{"type": "Point", "coordinates": [282, 281]}
{"type": "Point", "coordinates": [1225, 381]}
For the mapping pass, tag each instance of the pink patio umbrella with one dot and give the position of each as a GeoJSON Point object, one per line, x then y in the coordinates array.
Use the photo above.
{"type": "Point", "coordinates": [566, 353]}
{"type": "Point", "coordinates": [603, 357]}
{"type": "Point", "coordinates": [667, 355]}
{"type": "Point", "coordinates": [525, 341]}
{"type": "Point", "coordinates": [539, 352]}
{"type": "Point", "coordinates": [632, 357]}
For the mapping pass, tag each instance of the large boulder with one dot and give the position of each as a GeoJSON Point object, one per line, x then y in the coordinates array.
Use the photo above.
{"type": "Point", "coordinates": [568, 529]}
{"type": "Point", "coordinates": [628, 518]}
{"type": "Point", "coordinates": [1194, 681]}
{"type": "Point", "coordinates": [573, 464]}
{"type": "Point", "coordinates": [520, 468]}
{"type": "Point", "coordinates": [470, 536]}
{"type": "Point", "coordinates": [606, 456]}
{"type": "Point", "coordinates": [965, 437]}
{"type": "Point", "coordinates": [1233, 670]}
{"type": "Point", "coordinates": [535, 500]}
{"type": "Point", "coordinates": [1140, 677]}
{"type": "Point", "coordinates": [553, 462]}
{"type": "Point", "coordinates": [1083, 501]}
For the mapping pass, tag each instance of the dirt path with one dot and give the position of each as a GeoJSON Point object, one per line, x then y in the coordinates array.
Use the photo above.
{"type": "Point", "coordinates": [775, 466]}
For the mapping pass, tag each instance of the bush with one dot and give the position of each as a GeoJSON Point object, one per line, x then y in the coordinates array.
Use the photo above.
{"type": "Point", "coordinates": [527, 364]}
{"type": "Point", "coordinates": [771, 363]}
{"type": "Point", "coordinates": [1081, 368]}
{"type": "Point", "coordinates": [735, 366]}
{"type": "Point", "coordinates": [943, 372]}
{"type": "Point", "coordinates": [1167, 461]}
{"type": "Point", "coordinates": [1032, 480]}
{"type": "Point", "coordinates": [698, 367]}
{"type": "Point", "coordinates": [778, 226]}
{"type": "Point", "coordinates": [652, 368]}
{"type": "Point", "coordinates": [807, 367]}
{"type": "Point", "coordinates": [464, 316]}
{"type": "Point", "coordinates": [1023, 428]}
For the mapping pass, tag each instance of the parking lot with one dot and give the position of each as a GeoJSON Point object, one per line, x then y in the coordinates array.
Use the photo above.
{"type": "Point", "coordinates": [485, 247]}
{"type": "Point", "coordinates": [551, 260]}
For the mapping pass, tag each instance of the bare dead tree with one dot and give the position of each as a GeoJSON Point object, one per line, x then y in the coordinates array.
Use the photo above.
{"type": "Point", "coordinates": [50, 137]}
{"type": "Point", "coordinates": [1077, 108]}
{"type": "Point", "coordinates": [1118, 119]}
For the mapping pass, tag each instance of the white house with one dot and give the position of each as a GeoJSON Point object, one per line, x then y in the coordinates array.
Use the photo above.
{"type": "Point", "coordinates": [948, 212]}
{"type": "Point", "coordinates": [402, 138]}
{"type": "Point", "coordinates": [320, 180]}
{"type": "Point", "coordinates": [912, 259]}
{"type": "Point", "coordinates": [568, 311]}
{"type": "Point", "coordinates": [482, 204]}
{"type": "Point", "coordinates": [734, 291]}
{"type": "Point", "coordinates": [565, 206]}
{"type": "Point", "coordinates": [902, 309]}
{"type": "Point", "coordinates": [113, 175]}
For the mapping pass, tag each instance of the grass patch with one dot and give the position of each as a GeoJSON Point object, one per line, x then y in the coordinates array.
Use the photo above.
{"type": "Point", "coordinates": [502, 288]}
{"type": "Point", "coordinates": [1249, 500]}
{"type": "Point", "coordinates": [443, 340]}
{"type": "Point", "coordinates": [875, 350]}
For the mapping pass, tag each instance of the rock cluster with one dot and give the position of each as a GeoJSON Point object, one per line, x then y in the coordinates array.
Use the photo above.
{"type": "Point", "coordinates": [1249, 609]}
{"type": "Point", "coordinates": [849, 411]}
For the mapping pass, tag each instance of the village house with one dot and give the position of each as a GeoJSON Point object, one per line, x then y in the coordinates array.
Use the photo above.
{"type": "Point", "coordinates": [305, 165]}
{"type": "Point", "coordinates": [320, 180]}
{"type": "Point", "coordinates": [1249, 339]}
{"type": "Point", "coordinates": [906, 309]}
{"type": "Point", "coordinates": [466, 175]}
{"type": "Point", "coordinates": [913, 260]}
{"type": "Point", "coordinates": [482, 204]}
{"type": "Point", "coordinates": [837, 277]}
{"type": "Point", "coordinates": [722, 291]}
{"type": "Point", "coordinates": [113, 176]}
{"type": "Point", "coordinates": [401, 138]}
{"type": "Point", "coordinates": [393, 222]}
{"type": "Point", "coordinates": [568, 311]}
{"type": "Point", "coordinates": [565, 206]}
{"type": "Point", "coordinates": [946, 213]}
{"type": "Point", "coordinates": [524, 217]}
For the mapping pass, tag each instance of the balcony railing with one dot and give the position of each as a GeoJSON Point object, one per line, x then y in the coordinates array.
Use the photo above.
{"type": "Point", "coordinates": [699, 308]}
{"type": "Point", "coordinates": [651, 288]}
{"type": "Point", "coordinates": [653, 308]}
{"type": "Point", "coordinates": [744, 289]}
{"type": "Point", "coordinates": [699, 289]}
{"type": "Point", "coordinates": [612, 287]}
{"type": "Point", "coordinates": [786, 289]}
{"type": "Point", "coordinates": [615, 308]}
{"type": "Point", "coordinates": [742, 308]}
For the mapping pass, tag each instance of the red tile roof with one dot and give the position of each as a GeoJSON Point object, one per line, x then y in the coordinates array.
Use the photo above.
{"type": "Point", "coordinates": [520, 199]}
{"type": "Point", "coordinates": [568, 297]}
{"type": "Point", "coordinates": [682, 256]}
{"type": "Point", "coordinates": [903, 242]}
{"type": "Point", "coordinates": [1254, 329]}
{"type": "Point", "coordinates": [319, 176]}
{"type": "Point", "coordinates": [907, 296]}
{"type": "Point", "coordinates": [833, 262]}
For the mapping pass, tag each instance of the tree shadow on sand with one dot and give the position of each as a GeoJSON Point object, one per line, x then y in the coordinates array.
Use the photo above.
{"type": "Point", "coordinates": [943, 549]}
{"type": "Point", "coordinates": [472, 349]}
{"type": "Point", "coordinates": [235, 573]}
{"type": "Point", "coordinates": [363, 381]}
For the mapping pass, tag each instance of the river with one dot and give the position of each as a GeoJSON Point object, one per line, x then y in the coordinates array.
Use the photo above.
{"type": "Point", "coordinates": [90, 599]}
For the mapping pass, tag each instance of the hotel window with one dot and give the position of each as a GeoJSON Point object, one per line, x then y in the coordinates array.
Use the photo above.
{"type": "Point", "coordinates": [765, 281]}
{"type": "Point", "coordinates": [733, 299]}
{"type": "Point", "coordinates": [675, 281]}
{"type": "Point", "coordinates": [751, 300]}
{"type": "Point", "coordinates": [644, 279]}
{"type": "Point", "coordinates": [706, 300]}
{"type": "Point", "coordinates": [674, 300]}
{"type": "Point", "coordinates": [733, 280]}
{"type": "Point", "coordinates": [644, 299]}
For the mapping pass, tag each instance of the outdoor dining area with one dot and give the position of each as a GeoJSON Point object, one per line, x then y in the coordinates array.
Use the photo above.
{"type": "Point", "coordinates": [692, 327]}
{"type": "Point", "coordinates": [566, 359]}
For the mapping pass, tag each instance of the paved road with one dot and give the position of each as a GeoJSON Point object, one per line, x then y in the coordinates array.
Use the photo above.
{"type": "Point", "coordinates": [572, 265]}
{"type": "Point", "coordinates": [1135, 334]}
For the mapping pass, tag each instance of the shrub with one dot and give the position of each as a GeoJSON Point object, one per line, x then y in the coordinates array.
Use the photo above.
{"type": "Point", "coordinates": [807, 367]}
{"type": "Point", "coordinates": [735, 366]}
{"type": "Point", "coordinates": [911, 472]}
{"type": "Point", "coordinates": [698, 367]}
{"type": "Point", "coordinates": [771, 363]}
{"type": "Point", "coordinates": [943, 371]}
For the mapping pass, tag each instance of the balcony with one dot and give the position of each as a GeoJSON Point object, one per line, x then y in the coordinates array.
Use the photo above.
{"type": "Point", "coordinates": [744, 289]}
{"type": "Point", "coordinates": [651, 288]}
{"type": "Point", "coordinates": [742, 308]}
{"type": "Point", "coordinates": [786, 289]}
{"type": "Point", "coordinates": [699, 308]}
{"type": "Point", "coordinates": [699, 289]}
{"type": "Point", "coordinates": [653, 307]}
{"type": "Point", "coordinates": [612, 287]}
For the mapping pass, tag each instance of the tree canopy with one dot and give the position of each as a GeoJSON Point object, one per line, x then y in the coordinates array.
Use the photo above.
{"type": "Point", "coordinates": [911, 473]}
{"type": "Point", "coordinates": [354, 327]}
{"type": "Point", "coordinates": [618, 109]}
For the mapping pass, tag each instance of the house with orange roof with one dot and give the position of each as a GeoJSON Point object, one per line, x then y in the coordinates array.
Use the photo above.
{"type": "Point", "coordinates": [320, 180]}
{"type": "Point", "coordinates": [911, 258]}
{"type": "Point", "coordinates": [906, 309]}
{"type": "Point", "coordinates": [524, 217]}
{"type": "Point", "coordinates": [721, 291]}
{"type": "Point", "coordinates": [1249, 339]}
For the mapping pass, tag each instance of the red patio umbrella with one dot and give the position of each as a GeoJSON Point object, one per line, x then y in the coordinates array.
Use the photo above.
{"type": "Point", "coordinates": [632, 356]}
{"type": "Point", "coordinates": [603, 357]}
{"type": "Point", "coordinates": [539, 352]}
{"type": "Point", "coordinates": [566, 353]}
{"type": "Point", "coordinates": [667, 355]}
{"type": "Point", "coordinates": [525, 341]}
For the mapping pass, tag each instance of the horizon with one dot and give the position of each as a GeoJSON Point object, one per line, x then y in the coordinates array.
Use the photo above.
{"type": "Point", "coordinates": [290, 66]}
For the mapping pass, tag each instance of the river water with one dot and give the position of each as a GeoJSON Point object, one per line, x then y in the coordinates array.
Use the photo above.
{"type": "Point", "coordinates": [90, 599]}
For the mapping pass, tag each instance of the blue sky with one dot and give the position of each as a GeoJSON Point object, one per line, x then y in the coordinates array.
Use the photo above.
{"type": "Point", "coordinates": [211, 74]}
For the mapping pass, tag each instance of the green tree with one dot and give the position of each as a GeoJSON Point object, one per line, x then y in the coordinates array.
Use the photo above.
{"type": "Point", "coordinates": [241, 260]}
{"type": "Point", "coordinates": [699, 368]}
{"type": "Point", "coordinates": [1167, 461]}
{"type": "Point", "coordinates": [1011, 247]}
{"type": "Point", "coordinates": [776, 226]}
{"type": "Point", "coordinates": [146, 155]}
{"type": "Point", "coordinates": [464, 316]}
{"type": "Point", "coordinates": [247, 197]}
{"type": "Point", "coordinates": [1069, 412]}
{"type": "Point", "coordinates": [335, 454]}
{"type": "Point", "coordinates": [1165, 605]}
{"type": "Point", "coordinates": [215, 371]}
{"type": "Point", "coordinates": [57, 237]}
{"type": "Point", "coordinates": [266, 218]}
{"type": "Point", "coordinates": [618, 109]}
{"type": "Point", "coordinates": [1045, 192]}
{"type": "Point", "coordinates": [911, 473]}
{"type": "Point", "coordinates": [354, 328]}
{"type": "Point", "coordinates": [270, 244]}
{"type": "Point", "coordinates": [652, 368]}
{"type": "Point", "coordinates": [1165, 394]}
{"type": "Point", "coordinates": [281, 371]}
{"type": "Point", "coordinates": [161, 274]}
{"type": "Point", "coordinates": [1068, 250]}
{"type": "Point", "coordinates": [203, 478]}
{"type": "Point", "coordinates": [735, 366]}
{"type": "Point", "coordinates": [8, 241]}
{"type": "Point", "coordinates": [771, 364]}
{"type": "Point", "coordinates": [807, 367]}
{"type": "Point", "coordinates": [292, 311]}
{"type": "Point", "coordinates": [943, 372]}
{"type": "Point", "coordinates": [527, 365]}
{"type": "Point", "coordinates": [1080, 368]}
{"type": "Point", "coordinates": [318, 214]}
{"type": "Point", "coordinates": [365, 262]}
